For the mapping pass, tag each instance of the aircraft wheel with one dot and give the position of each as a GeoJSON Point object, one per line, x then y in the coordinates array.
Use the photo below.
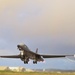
{"type": "Point", "coordinates": [34, 62]}
{"type": "Point", "coordinates": [25, 62]}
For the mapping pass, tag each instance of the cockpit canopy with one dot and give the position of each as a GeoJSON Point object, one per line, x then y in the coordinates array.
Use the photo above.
{"type": "Point", "coordinates": [21, 45]}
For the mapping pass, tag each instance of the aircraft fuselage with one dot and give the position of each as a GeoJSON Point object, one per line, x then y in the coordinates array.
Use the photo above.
{"type": "Point", "coordinates": [27, 54]}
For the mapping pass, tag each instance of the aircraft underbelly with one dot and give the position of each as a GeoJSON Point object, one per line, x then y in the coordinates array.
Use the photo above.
{"type": "Point", "coordinates": [30, 55]}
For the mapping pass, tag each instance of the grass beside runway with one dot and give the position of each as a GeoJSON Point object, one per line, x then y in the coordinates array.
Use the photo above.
{"type": "Point", "coordinates": [34, 73]}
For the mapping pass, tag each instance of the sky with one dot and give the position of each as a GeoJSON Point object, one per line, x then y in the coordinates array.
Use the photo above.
{"type": "Point", "coordinates": [48, 25]}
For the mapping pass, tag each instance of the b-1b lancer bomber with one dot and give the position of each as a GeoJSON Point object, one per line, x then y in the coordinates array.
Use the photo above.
{"type": "Point", "coordinates": [26, 54]}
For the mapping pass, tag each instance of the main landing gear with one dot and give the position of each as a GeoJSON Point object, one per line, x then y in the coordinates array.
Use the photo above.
{"type": "Point", "coordinates": [34, 62]}
{"type": "Point", "coordinates": [25, 62]}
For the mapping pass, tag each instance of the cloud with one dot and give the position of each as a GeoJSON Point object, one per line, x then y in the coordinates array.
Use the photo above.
{"type": "Point", "coordinates": [36, 19]}
{"type": "Point", "coordinates": [53, 21]}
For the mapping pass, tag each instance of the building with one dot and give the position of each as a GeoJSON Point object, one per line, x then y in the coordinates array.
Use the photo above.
{"type": "Point", "coordinates": [4, 68]}
{"type": "Point", "coordinates": [17, 69]}
{"type": "Point", "coordinates": [29, 70]}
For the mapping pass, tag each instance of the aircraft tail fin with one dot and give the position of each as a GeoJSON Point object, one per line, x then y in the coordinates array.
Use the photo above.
{"type": "Point", "coordinates": [36, 50]}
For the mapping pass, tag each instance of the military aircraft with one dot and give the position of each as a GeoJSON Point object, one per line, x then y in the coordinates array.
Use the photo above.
{"type": "Point", "coordinates": [26, 54]}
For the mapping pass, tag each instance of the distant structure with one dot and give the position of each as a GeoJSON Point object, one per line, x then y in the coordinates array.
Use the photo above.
{"type": "Point", "coordinates": [4, 68]}
{"type": "Point", "coordinates": [16, 69]}
{"type": "Point", "coordinates": [43, 70]}
{"type": "Point", "coordinates": [29, 70]}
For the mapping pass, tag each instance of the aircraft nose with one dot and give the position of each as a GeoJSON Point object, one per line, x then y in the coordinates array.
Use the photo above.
{"type": "Point", "coordinates": [18, 46]}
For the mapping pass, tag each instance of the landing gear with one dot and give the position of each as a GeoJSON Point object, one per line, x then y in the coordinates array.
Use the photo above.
{"type": "Point", "coordinates": [25, 62]}
{"type": "Point", "coordinates": [34, 62]}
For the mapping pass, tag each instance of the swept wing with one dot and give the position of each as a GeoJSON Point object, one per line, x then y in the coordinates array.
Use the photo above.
{"type": "Point", "coordinates": [12, 56]}
{"type": "Point", "coordinates": [55, 56]}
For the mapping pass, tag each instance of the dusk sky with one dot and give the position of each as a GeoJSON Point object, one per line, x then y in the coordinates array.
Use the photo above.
{"type": "Point", "coordinates": [48, 25]}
